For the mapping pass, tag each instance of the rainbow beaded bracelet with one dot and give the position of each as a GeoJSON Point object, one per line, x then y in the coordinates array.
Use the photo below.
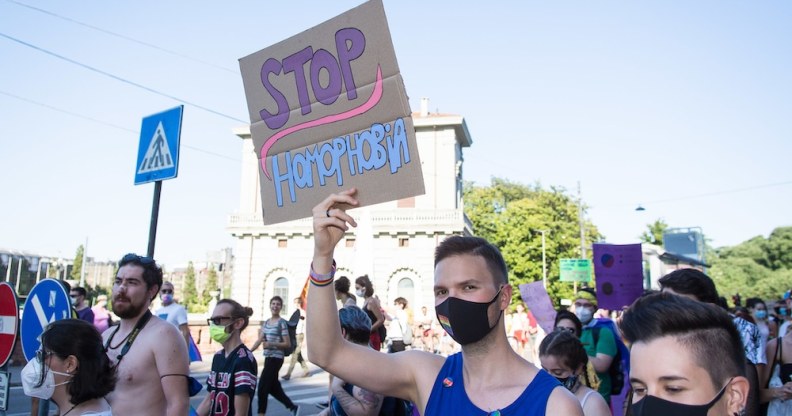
{"type": "Point", "coordinates": [322, 279]}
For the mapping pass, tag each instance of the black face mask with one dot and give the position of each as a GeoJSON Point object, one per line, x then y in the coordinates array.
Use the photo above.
{"type": "Point", "coordinates": [465, 321]}
{"type": "Point", "coordinates": [651, 406]}
{"type": "Point", "coordinates": [568, 382]}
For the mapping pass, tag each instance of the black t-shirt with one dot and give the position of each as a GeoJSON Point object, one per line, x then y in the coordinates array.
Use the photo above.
{"type": "Point", "coordinates": [230, 376]}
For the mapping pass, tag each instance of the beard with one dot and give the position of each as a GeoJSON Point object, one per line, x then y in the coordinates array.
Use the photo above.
{"type": "Point", "coordinates": [128, 309]}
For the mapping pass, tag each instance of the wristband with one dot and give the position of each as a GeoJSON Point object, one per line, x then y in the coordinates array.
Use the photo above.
{"type": "Point", "coordinates": [322, 279]}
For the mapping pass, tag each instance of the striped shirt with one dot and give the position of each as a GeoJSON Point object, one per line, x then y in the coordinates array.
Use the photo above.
{"type": "Point", "coordinates": [277, 332]}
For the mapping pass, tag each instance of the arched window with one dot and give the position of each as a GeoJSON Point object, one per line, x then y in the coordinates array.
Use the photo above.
{"type": "Point", "coordinates": [406, 290]}
{"type": "Point", "coordinates": [282, 289]}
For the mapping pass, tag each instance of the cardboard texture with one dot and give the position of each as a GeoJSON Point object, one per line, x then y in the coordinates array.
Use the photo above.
{"type": "Point", "coordinates": [538, 301]}
{"type": "Point", "coordinates": [328, 112]}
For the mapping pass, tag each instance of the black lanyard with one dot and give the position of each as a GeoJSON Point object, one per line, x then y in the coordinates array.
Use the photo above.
{"type": "Point", "coordinates": [131, 337]}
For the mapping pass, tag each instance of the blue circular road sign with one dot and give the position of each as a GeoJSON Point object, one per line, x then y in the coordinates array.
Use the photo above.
{"type": "Point", "coordinates": [47, 302]}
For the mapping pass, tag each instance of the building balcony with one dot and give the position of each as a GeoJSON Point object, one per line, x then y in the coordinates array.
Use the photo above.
{"type": "Point", "coordinates": [394, 221]}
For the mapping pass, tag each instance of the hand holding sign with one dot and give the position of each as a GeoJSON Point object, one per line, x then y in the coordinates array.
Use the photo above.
{"type": "Point", "coordinates": [330, 221]}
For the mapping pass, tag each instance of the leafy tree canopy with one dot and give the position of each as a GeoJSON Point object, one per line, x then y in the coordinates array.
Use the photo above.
{"type": "Point", "coordinates": [512, 216]}
{"type": "Point", "coordinates": [759, 267]}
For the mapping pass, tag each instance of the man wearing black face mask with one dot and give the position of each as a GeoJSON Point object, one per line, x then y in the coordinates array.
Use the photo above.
{"type": "Point", "coordinates": [471, 292]}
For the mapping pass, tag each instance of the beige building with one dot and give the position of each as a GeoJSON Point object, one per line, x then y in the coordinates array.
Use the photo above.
{"type": "Point", "coordinates": [393, 243]}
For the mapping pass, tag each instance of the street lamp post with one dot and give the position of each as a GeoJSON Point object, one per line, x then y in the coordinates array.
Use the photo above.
{"type": "Point", "coordinates": [544, 259]}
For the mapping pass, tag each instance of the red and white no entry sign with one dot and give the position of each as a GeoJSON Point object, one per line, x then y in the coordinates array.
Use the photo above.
{"type": "Point", "coordinates": [9, 321]}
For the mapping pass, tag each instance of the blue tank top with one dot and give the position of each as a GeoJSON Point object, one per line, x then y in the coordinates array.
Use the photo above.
{"type": "Point", "coordinates": [449, 397]}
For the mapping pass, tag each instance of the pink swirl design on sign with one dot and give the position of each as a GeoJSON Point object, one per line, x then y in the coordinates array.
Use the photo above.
{"type": "Point", "coordinates": [376, 95]}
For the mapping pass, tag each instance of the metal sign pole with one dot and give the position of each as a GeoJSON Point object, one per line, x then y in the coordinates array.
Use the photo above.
{"type": "Point", "coordinates": [4, 389]}
{"type": "Point", "coordinates": [154, 217]}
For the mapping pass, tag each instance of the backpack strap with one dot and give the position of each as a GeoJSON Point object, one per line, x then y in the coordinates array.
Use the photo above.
{"type": "Point", "coordinates": [595, 335]}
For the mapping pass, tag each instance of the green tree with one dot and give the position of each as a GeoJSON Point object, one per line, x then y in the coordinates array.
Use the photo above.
{"type": "Point", "coordinates": [211, 285]}
{"type": "Point", "coordinates": [779, 248]}
{"type": "Point", "coordinates": [654, 232]}
{"type": "Point", "coordinates": [511, 216]}
{"type": "Point", "coordinates": [191, 300]}
{"type": "Point", "coordinates": [76, 270]}
{"type": "Point", "coordinates": [759, 267]}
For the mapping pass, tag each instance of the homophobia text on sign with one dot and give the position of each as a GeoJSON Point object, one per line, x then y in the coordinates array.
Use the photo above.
{"type": "Point", "coordinates": [328, 112]}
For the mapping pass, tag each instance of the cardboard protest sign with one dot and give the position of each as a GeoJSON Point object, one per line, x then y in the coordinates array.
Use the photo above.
{"type": "Point", "coordinates": [619, 273]}
{"type": "Point", "coordinates": [328, 112]}
{"type": "Point", "coordinates": [536, 298]}
{"type": "Point", "coordinates": [575, 270]}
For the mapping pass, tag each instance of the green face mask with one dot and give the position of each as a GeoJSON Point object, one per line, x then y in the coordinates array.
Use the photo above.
{"type": "Point", "coordinates": [218, 333]}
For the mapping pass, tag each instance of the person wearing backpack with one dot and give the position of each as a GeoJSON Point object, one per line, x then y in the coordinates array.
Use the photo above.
{"type": "Point", "coordinates": [297, 321]}
{"type": "Point", "coordinates": [602, 350]}
{"type": "Point", "coordinates": [275, 339]}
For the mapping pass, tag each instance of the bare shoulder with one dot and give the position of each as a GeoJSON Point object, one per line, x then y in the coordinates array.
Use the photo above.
{"type": "Point", "coordinates": [563, 402]}
{"type": "Point", "coordinates": [596, 406]}
{"type": "Point", "coordinates": [160, 331]}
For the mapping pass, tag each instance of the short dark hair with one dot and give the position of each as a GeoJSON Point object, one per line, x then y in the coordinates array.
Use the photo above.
{"type": "Point", "coordinates": [691, 282]}
{"type": "Point", "coordinates": [706, 330]}
{"type": "Point", "coordinates": [95, 376]}
{"type": "Point", "coordinates": [366, 283]}
{"type": "Point", "coordinates": [356, 323]}
{"type": "Point", "coordinates": [565, 346]}
{"type": "Point", "coordinates": [751, 303]}
{"type": "Point", "coordinates": [342, 285]}
{"type": "Point", "coordinates": [278, 298]}
{"type": "Point", "coordinates": [238, 311]}
{"type": "Point", "coordinates": [152, 273]}
{"type": "Point", "coordinates": [401, 301]}
{"type": "Point", "coordinates": [80, 291]}
{"type": "Point", "coordinates": [475, 246]}
{"type": "Point", "coordinates": [565, 314]}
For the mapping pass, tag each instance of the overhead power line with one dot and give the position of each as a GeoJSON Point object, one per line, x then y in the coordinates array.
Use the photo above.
{"type": "Point", "coordinates": [724, 192]}
{"type": "Point", "coordinates": [118, 35]}
{"type": "Point", "coordinates": [115, 126]}
{"type": "Point", "coordinates": [124, 80]}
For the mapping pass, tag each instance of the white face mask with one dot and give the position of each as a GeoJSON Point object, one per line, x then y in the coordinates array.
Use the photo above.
{"type": "Point", "coordinates": [361, 293]}
{"type": "Point", "coordinates": [584, 314]}
{"type": "Point", "coordinates": [31, 375]}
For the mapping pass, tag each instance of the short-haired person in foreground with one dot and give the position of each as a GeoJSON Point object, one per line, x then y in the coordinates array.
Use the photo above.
{"type": "Point", "coordinates": [695, 284]}
{"type": "Point", "coordinates": [149, 353]}
{"type": "Point", "coordinates": [686, 358]}
{"type": "Point", "coordinates": [72, 369]}
{"type": "Point", "coordinates": [471, 292]}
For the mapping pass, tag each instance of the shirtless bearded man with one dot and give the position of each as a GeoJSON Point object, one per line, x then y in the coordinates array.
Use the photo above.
{"type": "Point", "coordinates": [150, 353]}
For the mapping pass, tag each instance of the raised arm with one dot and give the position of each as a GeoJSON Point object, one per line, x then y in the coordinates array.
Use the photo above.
{"type": "Point", "coordinates": [396, 373]}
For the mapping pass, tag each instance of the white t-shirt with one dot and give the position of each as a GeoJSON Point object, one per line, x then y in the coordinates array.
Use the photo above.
{"type": "Point", "coordinates": [173, 313]}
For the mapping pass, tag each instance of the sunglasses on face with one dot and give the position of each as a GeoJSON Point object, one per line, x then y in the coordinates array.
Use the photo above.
{"type": "Point", "coordinates": [217, 320]}
{"type": "Point", "coordinates": [565, 328]}
{"type": "Point", "coordinates": [166, 291]}
{"type": "Point", "coordinates": [132, 257]}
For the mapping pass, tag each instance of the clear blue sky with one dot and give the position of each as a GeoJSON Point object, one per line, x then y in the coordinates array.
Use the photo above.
{"type": "Point", "coordinates": [683, 107]}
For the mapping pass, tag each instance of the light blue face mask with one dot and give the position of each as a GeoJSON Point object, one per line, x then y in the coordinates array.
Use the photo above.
{"type": "Point", "coordinates": [760, 314]}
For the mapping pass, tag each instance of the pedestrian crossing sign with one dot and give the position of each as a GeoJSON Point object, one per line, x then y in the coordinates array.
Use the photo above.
{"type": "Point", "coordinates": [158, 152]}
